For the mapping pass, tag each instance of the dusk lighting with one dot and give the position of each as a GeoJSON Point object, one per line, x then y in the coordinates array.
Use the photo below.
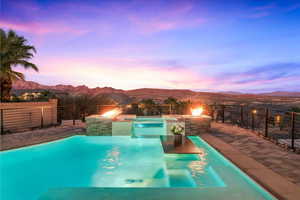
{"type": "Point", "coordinates": [112, 113]}
{"type": "Point", "coordinates": [150, 99]}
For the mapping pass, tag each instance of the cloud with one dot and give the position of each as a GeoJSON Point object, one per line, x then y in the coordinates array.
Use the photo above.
{"type": "Point", "coordinates": [266, 76]}
{"type": "Point", "coordinates": [80, 17]}
{"type": "Point", "coordinates": [122, 73]}
{"type": "Point", "coordinates": [176, 15]}
{"type": "Point", "coordinates": [39, 28]}
{"type": "Point", "coordinates": [272, 8]}
{"type": "Point", "coordinates": [121, 29]}
{"type": "Point", "coordinates": [130, 73]}
{"type": "Point", "coordinates": [262, 11]}
{"type": "Point", "coordinates": [159, 24]}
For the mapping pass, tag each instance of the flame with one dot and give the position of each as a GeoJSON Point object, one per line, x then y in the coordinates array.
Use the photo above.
{"type": "Point", "coordinates": [197, 111]}
{"type": "Point", "coordinates": [112, 113]}
{"type": "Point", "coordinates": [278, 118]}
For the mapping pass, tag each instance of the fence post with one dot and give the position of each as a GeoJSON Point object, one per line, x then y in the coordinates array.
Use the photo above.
{"type": "Point", "coordinates": [212, 113]}
{"type": "Point", "coordinates": [242, 116]}
{"type": "Point", "coordinates": [73, 114]}
{"type": "Point", "coordinates": [83, 117]}
{"type": "Point", "coordinates": [60, 114]}
{"type": "Point", "coordinates": [253, 120]}
{"type": "Point", "coordinates": [293, 130]}
{"type": "Point", "coordinates": [267, 122]}
{"type": "Point", "coordinates": [2, 122]}
{"type": "Point", "coordinates": [42, 117]}
{"type": "Point", "coordinates": [223, 114]}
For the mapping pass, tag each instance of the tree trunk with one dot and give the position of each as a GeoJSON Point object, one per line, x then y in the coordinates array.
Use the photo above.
{"type": "Point", "coordinates": [5, 88]}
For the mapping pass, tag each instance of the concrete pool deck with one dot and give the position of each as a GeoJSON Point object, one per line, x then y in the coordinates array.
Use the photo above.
{"type": "Point", "coordinates": [273, 182]}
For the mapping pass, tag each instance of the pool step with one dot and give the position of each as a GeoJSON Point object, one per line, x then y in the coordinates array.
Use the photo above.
{"type": "Point", "coordinates": [146, 182]}
{"type": "Point", "coordinates": [181, 178]}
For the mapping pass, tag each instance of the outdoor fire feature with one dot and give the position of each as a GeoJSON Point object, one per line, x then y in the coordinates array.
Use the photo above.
{"type": "Point", "coordinates": [101, 124]}
{"type": "Point", "coordinates": [197, 123]}
{"type": "Point", "coordinates": [197, 111]}
{"type": "Point", "coordinates": [114, 123]}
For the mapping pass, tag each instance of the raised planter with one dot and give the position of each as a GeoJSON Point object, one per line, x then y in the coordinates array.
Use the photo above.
{"type": "Point", "coordinates": [178, 140]}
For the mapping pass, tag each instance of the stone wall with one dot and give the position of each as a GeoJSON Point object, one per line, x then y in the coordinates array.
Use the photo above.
{"type": "Point", "coordinates": [22, 116]}
{"type": "Point", "coordinates": [97, 125]}
{"type": "Point", "coordinates": [197, 125]}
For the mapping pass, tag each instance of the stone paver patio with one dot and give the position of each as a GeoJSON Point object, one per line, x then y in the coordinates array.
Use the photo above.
{"type": "Point", "coordinates": [288, 142]}
{"type": "Point", "coordinates": [285, 163]}
{"type": "Point", "coordinates": [15, 140]}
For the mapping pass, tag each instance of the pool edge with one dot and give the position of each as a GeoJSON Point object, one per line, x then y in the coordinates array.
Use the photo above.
{"type": "Point", "coordinates": [53, 140]}
{"type": "Point", "coordinates": [274, 183]}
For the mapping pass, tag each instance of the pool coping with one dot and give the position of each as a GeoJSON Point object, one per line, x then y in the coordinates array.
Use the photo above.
{"type": "Point", "coordinates": [279, 186]}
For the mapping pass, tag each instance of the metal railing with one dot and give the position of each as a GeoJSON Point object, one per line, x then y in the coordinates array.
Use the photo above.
{"type": "Point", "coordinates": [280, 126]}
{"type": "Point", "coordinates": [274, 124]}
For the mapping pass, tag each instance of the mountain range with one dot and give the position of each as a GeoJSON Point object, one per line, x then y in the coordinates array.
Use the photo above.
{"type": "Point", "coordinates": [143, 93]}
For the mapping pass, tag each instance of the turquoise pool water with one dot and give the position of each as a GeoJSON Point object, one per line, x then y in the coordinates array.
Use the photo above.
{"type": "Point", "coordinates": [149, 127]}
{"type": "Point", "coordinates": [120, 167]}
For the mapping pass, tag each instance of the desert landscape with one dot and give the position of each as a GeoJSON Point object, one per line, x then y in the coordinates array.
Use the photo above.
{"type": "Point", "coordinates": [285, 100]}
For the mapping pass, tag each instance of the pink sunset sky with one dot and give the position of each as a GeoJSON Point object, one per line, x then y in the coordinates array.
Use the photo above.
{"type": "Point", "coordinates": [247, 46]}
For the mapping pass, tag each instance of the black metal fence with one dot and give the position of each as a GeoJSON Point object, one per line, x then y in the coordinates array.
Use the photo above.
{"type": "Point", "coordinates": [274, 124]}
{"type": "Point", "coordinates": [73, 112]}
{"type": "Point", "coordinates": [271, 123]}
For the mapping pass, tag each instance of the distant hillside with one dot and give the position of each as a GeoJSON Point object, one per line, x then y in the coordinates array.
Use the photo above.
{"type": "Point", "coordinates": [282, 94]}
{"type": "Point", "coordinates": [20, 87]}
{"type": "Point", "coordinates": [30, 85]}
{"type": "Point", "coordinates": [161, 93]}
{"type": "Point", "coordinates": [158, 94]}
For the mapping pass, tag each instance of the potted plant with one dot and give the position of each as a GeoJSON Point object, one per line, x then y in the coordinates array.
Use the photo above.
{"type": "Point", "coordinates": [177, 130]}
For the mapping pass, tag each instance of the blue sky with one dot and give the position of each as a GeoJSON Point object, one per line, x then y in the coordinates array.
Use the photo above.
{"type": "Point", "coordinates": [247, 46]}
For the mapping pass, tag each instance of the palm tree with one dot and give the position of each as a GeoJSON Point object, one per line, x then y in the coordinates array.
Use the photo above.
{"type": "Point", "coordinates": [14, 51]}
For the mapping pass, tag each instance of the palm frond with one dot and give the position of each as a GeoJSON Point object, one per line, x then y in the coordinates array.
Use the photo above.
{"type": "Point", "coordinates": [11, 75]}
{"type": "Point", "coordinates": [14, 51]}
{"type": "Point", "coordinates": [25, 64]}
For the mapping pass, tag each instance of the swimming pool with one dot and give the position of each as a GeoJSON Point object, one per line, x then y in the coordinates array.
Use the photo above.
{"type": "Point", "coordinates": [149, 126]}
{"type": "Point", "coordinates": [121, 167]}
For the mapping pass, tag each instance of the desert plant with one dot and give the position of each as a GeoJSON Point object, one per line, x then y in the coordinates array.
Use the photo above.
{"type": "Point", "coordinates": [14, 51]}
